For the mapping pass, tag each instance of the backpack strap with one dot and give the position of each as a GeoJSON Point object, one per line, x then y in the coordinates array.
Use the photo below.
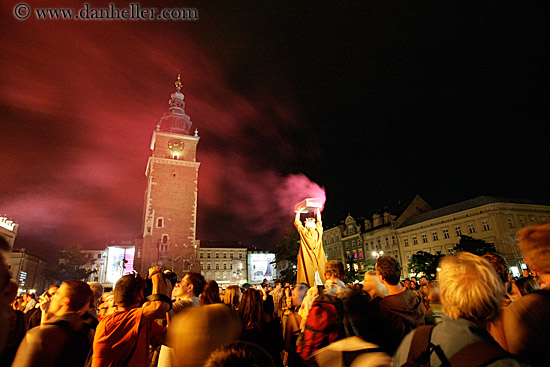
{"type": "Point", "coordinates": [420, 346]}
{"type": "Point", "coordinates": [478, 354]}
{"type": "Point", "coordinates": [320, 289]}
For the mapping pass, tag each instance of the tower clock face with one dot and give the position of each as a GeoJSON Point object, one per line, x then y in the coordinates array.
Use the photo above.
{"type": "Point", "coordinates": [175, 145]}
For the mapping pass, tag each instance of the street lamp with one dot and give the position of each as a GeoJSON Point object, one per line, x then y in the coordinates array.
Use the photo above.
{"type": "Point", "coordinates": [377, 254]}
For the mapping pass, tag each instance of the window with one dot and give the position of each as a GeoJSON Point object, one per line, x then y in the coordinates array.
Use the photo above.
{"type": "Point", "coordinates": [471, 228]}
{"type": "Point", "coordinates": [458, 231]}
{"type": "Point", "coordinates": [225, 255]}
{"type": "Point", "coordinates": [99, 256]}
{"type": "Point", "coordinates": [200, 255]}
{"type": "Point", "coordinates": [217, 266]}
{"type": "Point", "coordinates": [434, 235]}
{"type": "Point", "coordinates": [224, 266]}
{"type": "Point", "coordinates": [424, 238]}
{"type": "Point", "coordinates": [415, 240]}
{"type": "Point", "coordinates": [240, 256]}
{"type": "Point", "coordinates": [208, 255]}
{"type": "Point", "coordinates": [485, 225]}
{"type": "Point", "coordinates": [355, 254]}
{"type": "Point", "coordinates": [202, 266]}
{"type": "Point", "coordinates": [207, 266]}
{"type": "Point", "coordinates": [164, 238]}
{"type": "Point", "coordinates": [353, 244]}
{"type": "Point", "coordinates": [510, 222]}
{"type": "Point", "coordinates": [217, 255]}
{"type": "Point", "coordinates": [533, 219]}
{"type": "Point", "coordinates": [361, 254]}
{"type": "Point", "coordinates": [160, 222]}
{"type": "Point", "coordinates": [522, 221]}
{"type": "Point", "coordinates": [393, 240]}
{"type": "Point", "coordinates": [386, 242]}
{"type": "Point", "coordinates": [406, 242]}
{"type": "Point", "coordinates": [348, 255]}
{"type": "Point", "coordinates": [446, 233]}
{"type": "Point", "coordinates": [230, 255]}
{"type": "Point", "coordinates": [378, 244]}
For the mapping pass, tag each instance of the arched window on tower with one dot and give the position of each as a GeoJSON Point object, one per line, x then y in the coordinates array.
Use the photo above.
{"type": "Point", "coordinates": [164, 238]}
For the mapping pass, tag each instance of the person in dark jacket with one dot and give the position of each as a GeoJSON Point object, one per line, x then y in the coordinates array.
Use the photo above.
{"type": "Point", "coordinates": [400, 300]}
{"type": "Point", "coordinates": [61, 339]}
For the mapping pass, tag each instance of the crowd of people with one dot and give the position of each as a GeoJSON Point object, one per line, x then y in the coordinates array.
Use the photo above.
{"type": "Point", "coordinates": [473, 314]}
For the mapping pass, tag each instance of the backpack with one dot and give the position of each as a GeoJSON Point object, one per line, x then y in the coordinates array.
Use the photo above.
{"type": "Point", "coordinates": [324, 324]}
{"type": "Point", "coordinates": [473, 355]}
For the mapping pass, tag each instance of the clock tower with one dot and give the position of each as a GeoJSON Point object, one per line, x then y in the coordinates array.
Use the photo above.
{"type": "Point", "coordinates": [170, 208]}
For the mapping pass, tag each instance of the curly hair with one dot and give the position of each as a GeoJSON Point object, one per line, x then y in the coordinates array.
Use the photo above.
{"type": "Point", "coordinates": [389, 268]}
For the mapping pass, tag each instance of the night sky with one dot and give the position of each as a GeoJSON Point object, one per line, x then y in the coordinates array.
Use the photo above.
{"type": "Point", "coordinates": [374, 102]}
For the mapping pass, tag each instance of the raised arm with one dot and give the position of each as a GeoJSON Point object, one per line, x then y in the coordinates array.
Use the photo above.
{"type": "Point", "coordinates": [319, 215]}
{"type": "Point", "coordinates": [158, 305]}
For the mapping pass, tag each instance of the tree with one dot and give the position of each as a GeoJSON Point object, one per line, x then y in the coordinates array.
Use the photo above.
{"type": "Point", "coordinates": [71, 265]}
{"type": "Point", "coordinates": [287, 251]}
{"type": "Point", "coordinates": [475, 246]}
{"type": "Point", "coordinates": [425, 263]}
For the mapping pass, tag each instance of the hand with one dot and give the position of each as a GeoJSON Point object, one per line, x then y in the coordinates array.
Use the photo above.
{"type": "Point", "coordinates": [44, 302]}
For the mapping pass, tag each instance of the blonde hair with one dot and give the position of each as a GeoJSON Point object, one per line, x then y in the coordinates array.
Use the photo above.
{"type": "Point", "coordinates": [469, 288]}
{"type": "Point", "coordinates": [232, 296]}
{"type": "Point", "coordinates": [534, 243]}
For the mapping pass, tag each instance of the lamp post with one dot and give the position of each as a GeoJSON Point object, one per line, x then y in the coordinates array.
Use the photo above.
{"type": "Point", "coordinates": [376, 254]}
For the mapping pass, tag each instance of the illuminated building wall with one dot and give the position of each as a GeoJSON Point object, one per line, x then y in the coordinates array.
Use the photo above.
{"type": "Point", "coordinates": [8, 229]}
{"type": "Point", "coordinates": [170, 208]}
{"type": "Point", "coordinates": [223, 261]}
{"type": "Point", "coordinates": [27, 270]}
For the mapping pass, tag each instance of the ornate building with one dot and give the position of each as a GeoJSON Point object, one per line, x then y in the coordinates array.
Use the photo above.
{"type": "Point", "coordinates": [223, 261]}
{"type": "Point", "coordinates": [170, 208]}
{"type": "Point", "coordinates": [494, 220]}
{"type": "Point", "coordinates": [8, 229]}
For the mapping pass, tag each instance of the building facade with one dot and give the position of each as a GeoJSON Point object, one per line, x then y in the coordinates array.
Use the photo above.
{"type": "Point", "coordinates": [28, 271]}
{"type": "Point", "coordinates": [170, 208]}
{"type": "Point", "coordinates": [8, 229]}
{"type": "Point", "coordinates": [332, 244]}
{"type": "Point", "coordinates": [223, 261]}
{"type": "Point", "coordinates": [494, 220]}
{"type": "Point", "coordinates": [98, 262]}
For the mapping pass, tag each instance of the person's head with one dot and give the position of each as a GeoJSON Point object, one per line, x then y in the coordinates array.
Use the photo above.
{"type": "Point", "coordinates": [191, 285]}
{"type": "Point", "coordinates": [197, 332]}
{"type": "Point", "coordinates": [469, 288]}
{"type": "Point", "coordinates": [52, 289]}
{"type": "Point", "coordinates": [251, 308]}
{"type": "Point", "coordinates": [423, 280]}
{"type": "Point", "coordinates": [527, 285]}
{"type": "Point", "coordinates": [388, 270]}
{"type": "Point", "coordinates": [406, 282]}
{"type": "Point", "coordinates": [232, 296]}
{"type": "Point", "coordinates": [298, 294]}
{"type": "Point", "coordinates": [128, 292]}
{"type": "Point", "coordinates": [334, 270]}
{"type": "Point", "coordinates": [97, 289]}
{"type": "Point", "coordinates": [210, 293]}
{"type": "Point", "coordinates": [277, 284]}
{"type": "Point", "coordinates": [373, 286]}
{"type": "Point", "coordinates": [413, 280]}
{"type": "Point", "coordinates": [500, 264]}
{"type": "Point", "coordinates": [72, 296]}
{"type": "Point", "coordinates": [534, 244]}
{"type": "Point", "coordinates": [240, 354]}
{"type": "Point", "coordinates": [310, 222]}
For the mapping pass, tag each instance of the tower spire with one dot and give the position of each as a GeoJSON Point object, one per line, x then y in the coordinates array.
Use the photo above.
{"type": "Point", "coordinates": [178, 83]}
